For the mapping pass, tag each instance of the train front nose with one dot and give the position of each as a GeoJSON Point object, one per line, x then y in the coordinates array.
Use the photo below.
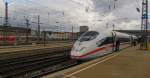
{"type": "Point", "coordinates": [77, 50]}
{"type": "Point", "coordinates": [75, 54]}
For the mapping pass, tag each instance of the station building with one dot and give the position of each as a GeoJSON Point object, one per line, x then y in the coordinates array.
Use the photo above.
{"type": "Point", "coordinates": [61, 35]}
{"type": "Point", "coordinates": [83, 29]}
{"type": "Point", "coordinates": [14, 31]}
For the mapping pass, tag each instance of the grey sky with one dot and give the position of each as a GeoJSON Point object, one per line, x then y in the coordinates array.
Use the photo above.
{"type": "Point", "coordinates": [75, 13]}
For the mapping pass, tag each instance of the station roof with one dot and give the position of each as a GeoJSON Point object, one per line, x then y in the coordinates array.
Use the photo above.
{"type": "Point", "coordinates": [133, 32]}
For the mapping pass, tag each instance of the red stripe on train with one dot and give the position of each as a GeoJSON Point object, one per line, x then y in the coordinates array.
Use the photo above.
{"type": "Point", "coordinates": [92, 52]}
{"type": "Point", "coordinates": [97, 50]}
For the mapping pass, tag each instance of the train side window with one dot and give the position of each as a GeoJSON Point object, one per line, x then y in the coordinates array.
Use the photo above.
{"type": "Point", "coordinates": [100, 42]}
{"type": "Point", "coordinates": [90, 35]}
{"type": "Point", "coordinates": [107, 40]}
{"type": "Point", "coordinates": [124, 39]}
{"type": "Point", "coordinates": [110, 40]}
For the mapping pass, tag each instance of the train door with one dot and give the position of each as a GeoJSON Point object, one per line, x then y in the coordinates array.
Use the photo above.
{"type": "Point", "coordinates": [131, 41]}
{"type": "Point", "coordinates": [108, 44]}
{"type": "Point", "coordinates": [102, 44]}
{"type": "Point", "coordinates": [113, 42]}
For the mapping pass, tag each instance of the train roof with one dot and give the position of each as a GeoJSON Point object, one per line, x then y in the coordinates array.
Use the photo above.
{"type": "Point", "coordinates": [105, 33]}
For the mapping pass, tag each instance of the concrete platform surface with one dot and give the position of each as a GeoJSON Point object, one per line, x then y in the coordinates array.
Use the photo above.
{"type": "Point", "coordinates": [128, 63]}
{"type": "Point", "coordinates": [8, 49]}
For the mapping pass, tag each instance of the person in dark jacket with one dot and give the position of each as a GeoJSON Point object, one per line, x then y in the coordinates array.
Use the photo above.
{"type": "Point", "coordinates": [134, 43]}
{"type": "Point", "coordinates": [117, 45]}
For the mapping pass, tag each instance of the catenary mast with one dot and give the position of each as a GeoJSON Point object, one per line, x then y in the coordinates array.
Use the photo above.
{"type": "Point", "coordinates": [144, 23]}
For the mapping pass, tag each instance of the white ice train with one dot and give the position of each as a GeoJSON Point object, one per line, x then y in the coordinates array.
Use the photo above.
{"type": "Point", "coordinates": [93, 44]}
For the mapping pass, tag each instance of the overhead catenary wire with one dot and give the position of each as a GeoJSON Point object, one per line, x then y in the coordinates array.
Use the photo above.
{"type": "Point", "coordinates": [109, 5]}
{"type": "Point", "coordinates": [112, 4]}
{"type": "Point", "coordinates": [137, 5]}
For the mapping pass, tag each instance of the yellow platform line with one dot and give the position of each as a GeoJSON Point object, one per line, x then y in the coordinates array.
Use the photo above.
{"type": "Point", "coordinates": [90, 66]}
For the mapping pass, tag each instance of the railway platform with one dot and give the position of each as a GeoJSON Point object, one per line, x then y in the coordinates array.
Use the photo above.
{"type": "Point", "coordinates": [7, 49]}
{"type": "Point", "coordinates": [128, 63]}
{"type": "Point", "coordinates": [9, 52]}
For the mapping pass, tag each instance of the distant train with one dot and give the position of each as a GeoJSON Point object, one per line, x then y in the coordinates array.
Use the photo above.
{"type": "Point", "coordinates": [10, 39]}
{"type": "Point", "coordinates": [93, 44]}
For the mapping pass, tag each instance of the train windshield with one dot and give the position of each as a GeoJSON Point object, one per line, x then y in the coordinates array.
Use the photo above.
{"type": "Point", "coordinates": [88, 36]}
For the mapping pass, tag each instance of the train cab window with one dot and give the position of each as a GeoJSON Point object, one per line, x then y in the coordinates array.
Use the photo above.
{"type": "Point", "coordinates": [107, 40]}
{"type": "Point", "coordinates": [124, 39]}
{"type": "Point", "coordinates": [99, 43]}
{"type": "Point", "coordinates": [88, 36]}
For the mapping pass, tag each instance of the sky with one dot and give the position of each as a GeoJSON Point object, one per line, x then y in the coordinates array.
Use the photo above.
{"type": "Point", "coordinates": [61, 15]}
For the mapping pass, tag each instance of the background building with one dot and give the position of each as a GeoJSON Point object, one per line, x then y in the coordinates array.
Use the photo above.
{"type": "Point", "coordinates": [14, 31]}
{"type": "Point", "coordinates": [61, 35]}
{"type": "Point", "coordinates": [83, 29]}
{"type": "Point", "coordinates": [13, 35]}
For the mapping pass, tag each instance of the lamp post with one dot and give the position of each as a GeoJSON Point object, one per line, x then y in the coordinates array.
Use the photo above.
{"type": "Point", "coordinates": [38, 28]}
{"type": "Point", "coordinates": [6, 14]}
{"type": "Point", "coordinates": [27, 30]}
{"type": "Point", "coordinates": [6, 23]}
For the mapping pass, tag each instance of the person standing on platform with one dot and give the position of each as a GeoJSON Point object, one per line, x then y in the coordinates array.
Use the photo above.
{"type": "Point", "coordinates": [117, 45]}
{"type": "Point", "coordinates": [141, 43]}
{"type": "Point", "coordinates": [134, 43]}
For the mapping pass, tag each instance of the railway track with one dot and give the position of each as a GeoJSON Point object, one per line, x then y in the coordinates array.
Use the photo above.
{"type": "Point", "coordinates": [35, 65]}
